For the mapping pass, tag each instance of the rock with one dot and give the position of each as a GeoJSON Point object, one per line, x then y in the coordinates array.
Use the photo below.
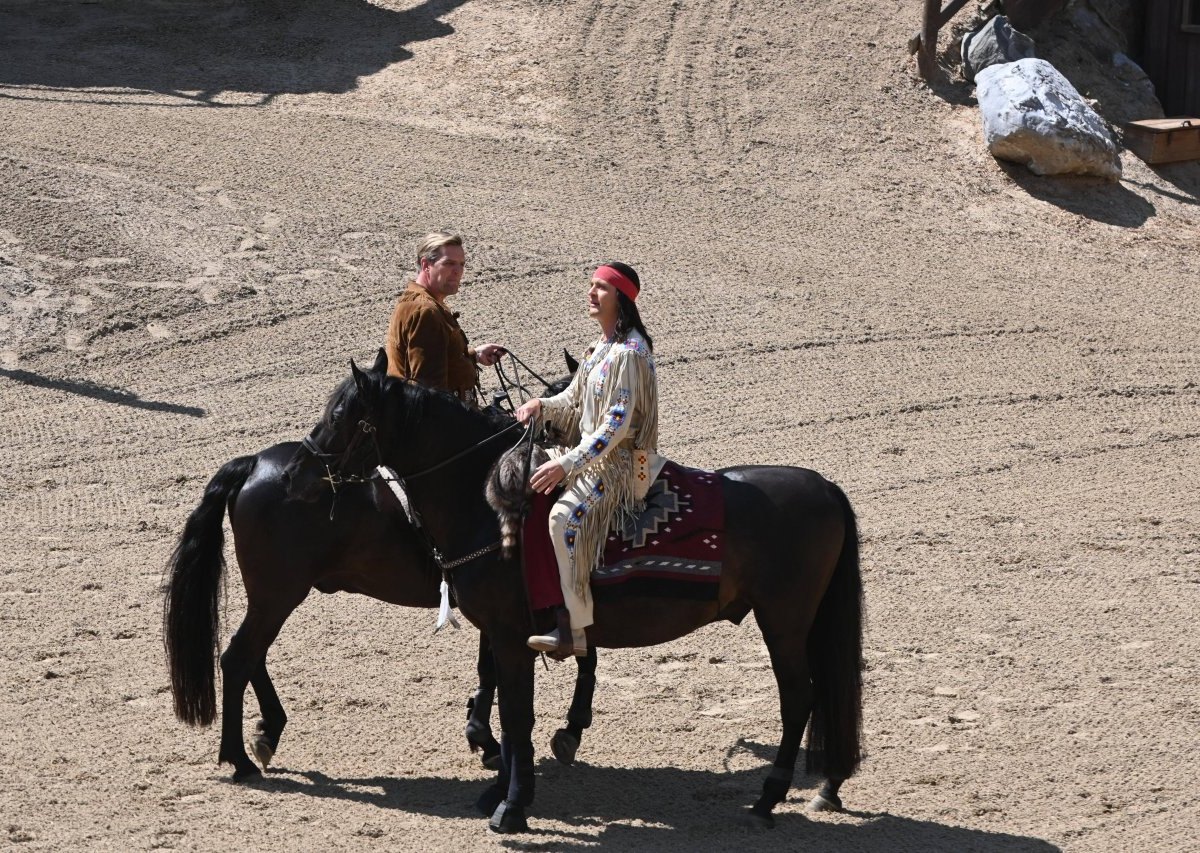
{"type": "Point", "coordinates": [995, 43]}
{"type": "Point", "coordinates": [1029, 13]}
{"type": "Point", "coordinates": [1032, 115]}
{"type": "Point", "coordinates": [1135, 91]}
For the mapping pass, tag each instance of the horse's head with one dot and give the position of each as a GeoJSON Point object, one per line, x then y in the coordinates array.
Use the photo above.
{"type": "Point", "coordinates": [343, 446]}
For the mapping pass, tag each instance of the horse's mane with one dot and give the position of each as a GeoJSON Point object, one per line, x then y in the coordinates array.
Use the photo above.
{"type": "Point", "coordinates": [335, 397]}
{"type": "Point", "coordinates": [419, 399]}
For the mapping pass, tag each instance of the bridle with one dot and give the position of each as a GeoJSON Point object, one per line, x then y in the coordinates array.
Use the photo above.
{"type": "Point", "coordinates": [335, 477]}
{"type": "Point", "coordinates": [398, 484]}
{"type": "Point", "coordinates": [333, 472]}
{"type": "Point", "coordinates": [334, 463]}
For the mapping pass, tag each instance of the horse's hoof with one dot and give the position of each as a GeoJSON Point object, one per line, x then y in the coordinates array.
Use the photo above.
{"type": "Point", "coordinates": [247, 774]}
{"type": "Point", "coordinates": [756, 820]}
{"type": "Point", "coordinates": [821, 803]}
{"type": "Point", "coordinates": [564, 745]}
{"type": "Point", "coordinates": [479, 738]}
{"type": "Point", "coordinates": [263, 751]}
{"type": "Point", "coordinates": [489, 800]}
{"type": "Point", "coordinates": [492, 761]}
{"type": "Point", "coordinates": [508, 818]}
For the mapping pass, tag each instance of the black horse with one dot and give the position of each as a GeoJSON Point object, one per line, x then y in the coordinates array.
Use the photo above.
{"type": "Point", "coordinates": [357, 540]}
{"type": "Point", "coordinates": [791, 557]}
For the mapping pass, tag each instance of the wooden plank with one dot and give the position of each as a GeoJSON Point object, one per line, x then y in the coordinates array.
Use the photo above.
{"type": "Point", "coordinates": [1190, 102]}
{"type": "Point", "coordinates": [924, 41]}
{"type": "Point", "coordinates": [1154, 42]}
{"type": "Point", "coordinates": [1171, 57]}
{"type": "Point", "coordinates": [1178, 81]}
{"type": "Point", "coordinates": [927, 55]}
{"type": "Point", "coordinates": [952, 9]}
{"type": "Point", "coordinates": [1155, 126]}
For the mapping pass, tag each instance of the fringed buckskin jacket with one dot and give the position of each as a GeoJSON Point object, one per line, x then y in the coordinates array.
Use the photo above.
{"type": "Point", "coordinates": [611, 410]}
{"type": "Point", "coordinates": [425, 344]}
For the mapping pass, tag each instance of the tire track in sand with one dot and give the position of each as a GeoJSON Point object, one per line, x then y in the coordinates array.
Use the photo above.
{"type": "Point", "coordinates": [680, 62]}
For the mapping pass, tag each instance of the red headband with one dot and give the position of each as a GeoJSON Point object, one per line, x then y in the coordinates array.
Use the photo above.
{"type": "Point", "coordinates": [622, 282]}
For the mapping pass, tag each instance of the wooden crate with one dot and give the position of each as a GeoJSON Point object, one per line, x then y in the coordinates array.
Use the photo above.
{"type": "Point", "coordinates": [1164, 140]}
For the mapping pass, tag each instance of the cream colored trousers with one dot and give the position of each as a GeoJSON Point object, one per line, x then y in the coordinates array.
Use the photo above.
{"type": "Point", "coordinates": [579, 606]}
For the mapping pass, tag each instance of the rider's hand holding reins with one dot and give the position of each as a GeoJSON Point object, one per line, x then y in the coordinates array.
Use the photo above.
{"type": "Point", "coordinates": [551, 473]}
{"type": "Point", "coordinates": [529, 410]}
{"type": "Point", "coordinates": [489, 354]}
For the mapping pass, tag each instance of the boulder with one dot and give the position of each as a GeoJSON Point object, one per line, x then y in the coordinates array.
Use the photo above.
{"type": "Point", "coordinates": [995, 43]}
{"type": "Point", "coordinates": [1033, 115]}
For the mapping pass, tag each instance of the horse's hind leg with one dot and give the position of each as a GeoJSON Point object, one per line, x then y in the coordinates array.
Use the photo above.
{"type": "Point", "coordinates": [270, 727]}
{"type": "Point", "coordinates": [479, 708]}
{"type": "Point", "coordinates": [247, 650]}
{"type": "Point", "coordinates": [565, 743]}
{"type": "Point", "coordinates": [827, 799]}
{"type": "Point", "coordinates": [789, 661]}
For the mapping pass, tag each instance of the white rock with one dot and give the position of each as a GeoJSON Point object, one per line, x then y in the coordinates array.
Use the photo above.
{"type": "Point", "coordinates": [1033, 115]}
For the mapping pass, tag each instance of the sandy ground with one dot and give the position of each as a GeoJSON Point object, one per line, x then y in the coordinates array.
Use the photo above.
{"type": "Point", "coordinates": [207, 207]}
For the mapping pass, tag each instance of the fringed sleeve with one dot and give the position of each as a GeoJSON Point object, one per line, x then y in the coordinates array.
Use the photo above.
{"type": "Point", "coordinates": [563, 411]}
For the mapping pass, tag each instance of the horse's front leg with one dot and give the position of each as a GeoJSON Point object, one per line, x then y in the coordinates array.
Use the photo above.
{"type": "Point", "coordinates": [479, 708]}
{"type": "Point", "coordinates": [514, 676]}
{"type": "Point", "coordinates": [565, 743]}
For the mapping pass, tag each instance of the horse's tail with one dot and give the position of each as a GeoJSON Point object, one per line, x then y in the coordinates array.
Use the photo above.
{"type": "Point", "coordinates": [191, 606]}
{"type": "Point", "coordinates": [835, 663]}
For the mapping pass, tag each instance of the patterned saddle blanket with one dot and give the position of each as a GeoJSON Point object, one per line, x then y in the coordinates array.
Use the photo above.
{"type": "Point", "coordinates": [674, 549]}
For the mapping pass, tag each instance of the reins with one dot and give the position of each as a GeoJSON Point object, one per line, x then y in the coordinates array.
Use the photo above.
{"type": "Point", "coordinates": [461, 454]}
{"type": "Point", "coordinates": [507, 384]}
{"type": "Point", "coordinates": [398, 485]}
{"type": "Point", "coordinates": [332, 463]}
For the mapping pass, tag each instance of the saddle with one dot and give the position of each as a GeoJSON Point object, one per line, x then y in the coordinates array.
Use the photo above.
{"type": "Point", "coordinates": [673, 549]}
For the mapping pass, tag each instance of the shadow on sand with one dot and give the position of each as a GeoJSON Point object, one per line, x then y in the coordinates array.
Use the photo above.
{"type": "Point", "coordinates": [656, 809]}
{"type": "Point", "coordinates": [85, 388]}
{"type": "Point", "coordinates": [1184, 177]}
{"type": "Point", "coordinates": [198, 49]}
{"type": "Point", "coordinates": [1093, 198]}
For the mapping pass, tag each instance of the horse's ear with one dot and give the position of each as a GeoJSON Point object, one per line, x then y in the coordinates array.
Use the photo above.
{"type": "Point", "coordinates": [360, 378]}
{"type": "Point", "coordinates": [572, 364]}
{"type": "Point", "coordinates": [381, 362]}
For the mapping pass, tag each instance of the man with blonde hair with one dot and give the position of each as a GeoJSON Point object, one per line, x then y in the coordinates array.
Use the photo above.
{"type": "Point", "coordinates": [424, 341]}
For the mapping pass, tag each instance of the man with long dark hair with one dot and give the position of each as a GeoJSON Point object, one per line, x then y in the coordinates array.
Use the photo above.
{"type": "Point", "coordinates": [610, 413]}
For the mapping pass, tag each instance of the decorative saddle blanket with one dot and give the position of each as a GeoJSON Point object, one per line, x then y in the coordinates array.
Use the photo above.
{"type": "Point", "coordinates": [674, 549]}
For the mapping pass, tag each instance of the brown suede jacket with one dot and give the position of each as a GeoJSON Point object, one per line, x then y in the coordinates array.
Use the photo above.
{"type": "Point", "coordinates": [425, 344]}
